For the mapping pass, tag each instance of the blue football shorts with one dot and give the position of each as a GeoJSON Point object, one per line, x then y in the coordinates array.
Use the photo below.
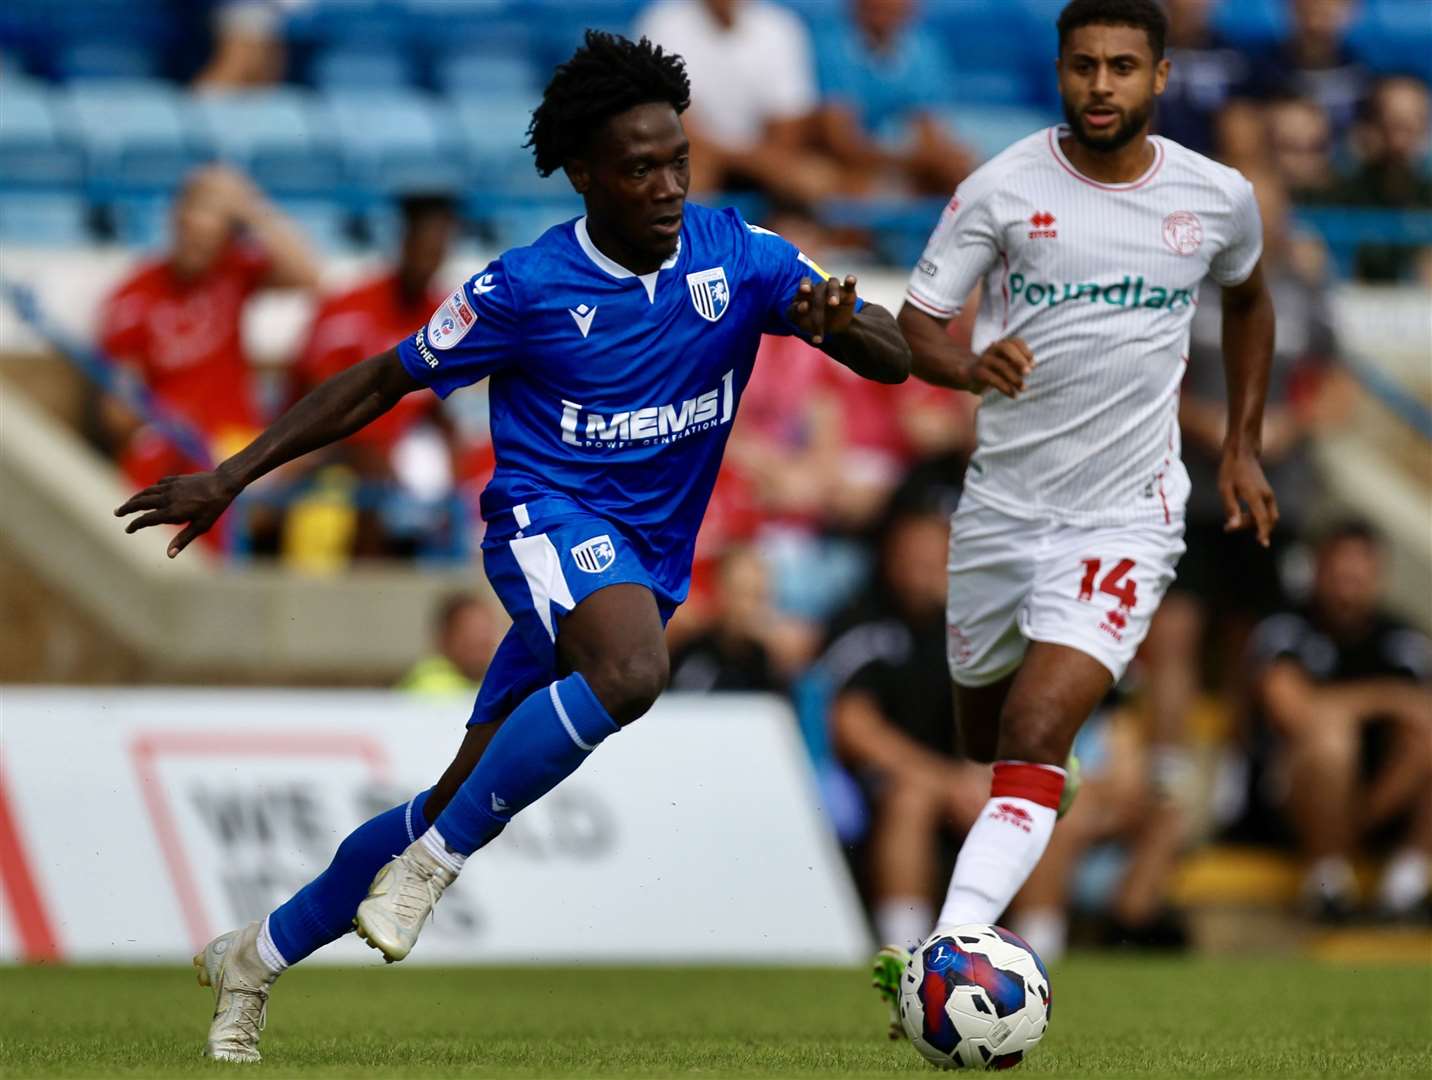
{"type": "Point", "coordinates": [542, 566]}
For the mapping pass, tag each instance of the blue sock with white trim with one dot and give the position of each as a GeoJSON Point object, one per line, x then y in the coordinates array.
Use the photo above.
{"type": "Point", "coordinates": [323, 910]}
{"type": "Point", "coordinates": [541, 743]}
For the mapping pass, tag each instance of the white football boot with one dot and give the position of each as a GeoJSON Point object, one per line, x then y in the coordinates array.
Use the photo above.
{"type": "Point", "coordinates": [231, 965]}
{"type": "Point", "coordinates": [400, 900]}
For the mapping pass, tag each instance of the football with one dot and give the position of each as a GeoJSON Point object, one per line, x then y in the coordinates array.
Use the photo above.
{"type": "Point", "coordinates": [976, 997]}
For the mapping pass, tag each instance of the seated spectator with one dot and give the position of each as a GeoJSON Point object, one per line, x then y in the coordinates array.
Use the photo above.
{"type": "Point", "coordinates": [408, 446]}
{"type": "Point", "coordinates": [747, 646]}
{"type": "Point", "coordinates": [1205, 72]}
{"type": "Point", "coordinates": [465, 634]}
{"type": "Point", "coordinates": [1392, 143]}
{"type": "Point", "coordinates": [248, 49]}
{"type": "Point", "coordinates": [1225, 582]}
{"type": "Point", "coordinates": [1299, 138]}
{"type": "Point", "coordinates": [752, 120]}
{"type": "Point", "coordinates": [1314, 61]}
{"type": "Point", "coordinates": [891, 722]}
{"type": "Point", "coordinates": [174, 322]}
{"type": "Point", "coordinates": [1344, 715]}
{"type": "Point", "coordinates": [881, 83]}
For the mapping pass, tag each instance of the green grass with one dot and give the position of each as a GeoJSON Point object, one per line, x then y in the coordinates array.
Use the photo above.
{"type": "Point", "coordinates": [1127, 1016]}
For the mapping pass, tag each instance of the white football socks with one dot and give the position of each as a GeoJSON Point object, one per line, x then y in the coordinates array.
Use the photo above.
{"type": "Point", "coordinates": [1004, 844]}
{"type": "Point", "coordinates": [434, 845]}
{"type": "Point", "coordinates": [268, 952]}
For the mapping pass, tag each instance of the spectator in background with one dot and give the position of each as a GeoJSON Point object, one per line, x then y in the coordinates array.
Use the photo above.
{"type": "Point", "coordinates": [248, 47]}
{"type": "Point", "coordinates": [881, 84]}
{"type": "Point", "coordinates": [465, 633]}
{"type": "Point", "coordinates": [747, 646]}
{"type": "Point", "coordinates": [1205, 73]}
{"type": "Point", "coordinates": [1313, 61]}
{"type": "Point", "coordinates": [753, 116]}
{"type": "Point", "coordinates": [1391, 139]}
{"type": "Point", "coordinates": [409, 445]}
{"type": "Point", "coordinates": [175, 321]}
{"type": "Point", "coordinates": [1299, 138]}
{"type": "Point", "coordinates": [890, 722]}
{"type": "Point", "coordinates": [1345, 731]}
{"type": "Point", "coordinates": [1224, 588]}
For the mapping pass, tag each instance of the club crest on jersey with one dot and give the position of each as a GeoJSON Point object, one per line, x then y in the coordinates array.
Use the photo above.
{"type": "Point", "coordinates": [710, 295]}
{"type": "Point", "coordinates": [1183, 232]}
{"type": "Point", "coordinates": [595, 555]}
{"type": "Point", "coordinates": [451, 321]}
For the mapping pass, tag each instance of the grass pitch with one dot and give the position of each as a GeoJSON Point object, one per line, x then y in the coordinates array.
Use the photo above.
{"type": "Point", "coordinates": [1112, 1017]}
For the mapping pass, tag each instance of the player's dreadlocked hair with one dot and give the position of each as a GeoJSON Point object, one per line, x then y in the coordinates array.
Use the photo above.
{"type": "Point", "coordinates": [1145, 15]}
{"type": "Point", "coordinates": [608, 75]}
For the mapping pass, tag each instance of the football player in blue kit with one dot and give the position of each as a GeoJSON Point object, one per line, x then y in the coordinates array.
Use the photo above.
{"type": "Point", "coordinates": [616, 348]}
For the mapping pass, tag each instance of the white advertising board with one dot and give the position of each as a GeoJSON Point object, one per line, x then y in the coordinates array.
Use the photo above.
{"type": "Point", "coordinates": [136, 824]}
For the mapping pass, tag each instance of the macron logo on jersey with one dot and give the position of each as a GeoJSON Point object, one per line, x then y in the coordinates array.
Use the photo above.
{"type": "Point", "coordinates": [651, 425]}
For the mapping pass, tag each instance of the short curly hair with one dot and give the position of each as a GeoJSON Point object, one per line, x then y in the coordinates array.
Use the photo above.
{"type": "Point", "coordinates": [1144, 15]}
{"type": "Point", "coordinates": [605, 77]}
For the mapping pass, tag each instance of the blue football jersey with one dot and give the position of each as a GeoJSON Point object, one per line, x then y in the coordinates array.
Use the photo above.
{"type": "Point", "coordinates": [610, 391]}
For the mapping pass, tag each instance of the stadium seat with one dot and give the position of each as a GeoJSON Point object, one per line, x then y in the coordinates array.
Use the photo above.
{"type": "Point", "coordinates": [990, 129]}
{"type": "Point", "coordinates": [397, 139]}
{"type": "Point", "coordinates": [493, 129]}
{"type": "Point", "coordinates": [326, 223]}
{"type": "Point", "coordinates": [133, 134]}
{"type": "Point", "coordinates": [1395, 39]}
{"type": "Point", "coordinates": [36, 148]}
{"type": "Point", "coordinates": [360, 69]}
{"type": "Point", "coordinates": [1251, 24]}
{"type": "Point", "coordinates": [487, 72]}
{"type": "Point", "coordinates": [141, 221]}
{"type": "Point", "coordinates": [44, 220]}
{"type": "Point", "coordinates": [104, 60]}
{"type": "Point", "coordinates": [276, 136]}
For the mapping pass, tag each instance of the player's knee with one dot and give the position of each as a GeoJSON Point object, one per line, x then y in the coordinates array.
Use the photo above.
{"type": "Point", "coordinates": [628, 686]}
{"type": "Point", "coordinates": [1033, 732]}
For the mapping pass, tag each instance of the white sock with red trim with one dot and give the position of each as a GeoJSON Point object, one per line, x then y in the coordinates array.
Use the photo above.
{"type": "Point", "coordinates": [1004, 844]}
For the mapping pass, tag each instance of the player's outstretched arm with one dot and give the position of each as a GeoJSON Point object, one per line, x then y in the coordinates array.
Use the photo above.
{"type": "Point", "coordinates": [1248, 331]}
{"type": "Point", "coordinates": [333, 409]}
{"type": "Point", "coordinates": [866, 341]}
{"type": "Point", "coordinates": [939, 360]}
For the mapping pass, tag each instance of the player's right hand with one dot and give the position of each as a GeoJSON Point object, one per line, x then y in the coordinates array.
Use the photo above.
{"type": "Point", "coordinates": [1004, 366]}
{"type": "Point", "coordinates": [194, 501]}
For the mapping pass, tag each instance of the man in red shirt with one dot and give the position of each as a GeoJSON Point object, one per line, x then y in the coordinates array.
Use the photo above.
{"type": "Point", "coordinates": [175, 321]}
{"type": "Point", "coordinates": [366, 319]}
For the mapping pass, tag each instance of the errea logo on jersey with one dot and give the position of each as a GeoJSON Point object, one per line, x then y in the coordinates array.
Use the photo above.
{"type": "Point", "coordinates": [653, 424]}
{"type": "Point", "coordinates": [1129, 293]}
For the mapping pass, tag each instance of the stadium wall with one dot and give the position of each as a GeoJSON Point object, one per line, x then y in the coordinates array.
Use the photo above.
{"type": "Point", "coordinates": [136, 824]}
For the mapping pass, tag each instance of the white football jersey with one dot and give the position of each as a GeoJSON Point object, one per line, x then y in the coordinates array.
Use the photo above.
{"type": "Point", "coordinates": [1101, 282]}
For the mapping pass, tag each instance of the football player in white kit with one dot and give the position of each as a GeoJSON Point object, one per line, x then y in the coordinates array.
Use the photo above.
{"type": "Point", "coordinates": [1090, 240]}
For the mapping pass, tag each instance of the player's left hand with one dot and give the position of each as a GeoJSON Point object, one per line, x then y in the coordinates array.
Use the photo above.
{"type": "Point", "coordinates": [821, 310]}
{"type": "Point", "coordinates": [194, 501]}
{"type": "Point", "coordinates": [1241, 483]}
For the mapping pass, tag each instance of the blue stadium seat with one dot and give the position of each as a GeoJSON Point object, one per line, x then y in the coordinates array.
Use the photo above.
{"type": "Point", "coordinates": [36, 147]}
{"type": "Point", "coordinates": [133, 134]}
{"type": "Point", "coordinates": [1252, 24]}
{"type": "Point", "coordinates": [990, 129]}
{"type": "Point", "coordinates": [276, 136]}
{"type": "Point", "coordinates": [326, 223]}
{"type": "Point", "coordinates": [361, 69]}
{"type": "Point", "coordinates": [44, 220]}
{"type": "Point", "coordinates": [515, 222]}
{"type": "Point", "coordinates": [477, 71]}
{"type": "Point", "coordinates": [1396, 39]}
{"type": "Point", "coordinates": [397, 140]}
{"type": "Point", "coordinates": [141, 221]}
{"type": "Point", "coordinates": [493, 129]}
{"type": "Point", "coordinates": [104, 60]}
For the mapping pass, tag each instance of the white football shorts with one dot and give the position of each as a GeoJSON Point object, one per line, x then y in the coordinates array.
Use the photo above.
{"type": "Point", "coordinates": [1015, 580]}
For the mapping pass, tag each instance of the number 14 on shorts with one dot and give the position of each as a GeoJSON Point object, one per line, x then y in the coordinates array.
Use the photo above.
{"type": "Point", "coordinates": [1115, 583]}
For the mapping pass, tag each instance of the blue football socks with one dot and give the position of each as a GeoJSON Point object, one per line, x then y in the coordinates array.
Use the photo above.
{"type": "Point", "coordinates": [541, 744]}
{"type": "Point", "coordinates": [322, 911]}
